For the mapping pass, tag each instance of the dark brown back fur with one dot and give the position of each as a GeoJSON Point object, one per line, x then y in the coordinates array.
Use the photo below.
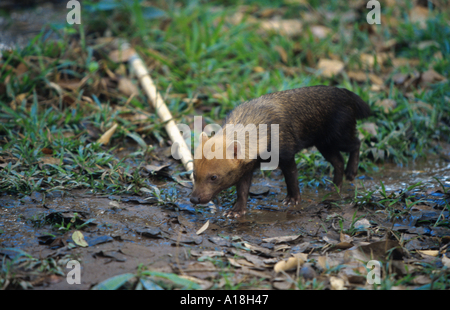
{"type": "Point", "coordinates": [316, 115]}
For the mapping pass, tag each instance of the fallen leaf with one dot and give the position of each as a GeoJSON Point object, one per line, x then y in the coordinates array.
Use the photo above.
{"type": "Point", "coordinates": [445, 261]}
{"type": "Point", "coordinates": [401, 61]}
{"type": "Point", "coordinates": [400, 78]}
{"type": "Point", "coordinates": [387, 104]}
{"type": "Point", "coordinates": [258, 69]}
{"type": "Point", "coordinates": [376, 79]}
{"type": "Point", "coordinates": [419, 15]}
{"type": "Point", "coordinates": [49, 160]}
{"type": "Point", "coordinates": [207, 254]}
{"type": "Point", "coordinates": [293, 262]}
{"type": "Point", "coordinates": [433, 253]}
{"type": "Point", "coordinates": [369, 60]}
{"type": "Point", "coordinates": [337, 283]}
{"type": "Point", "coordinates": [204, 227]}
{"type": "Point", "coordinates": [370, 128]}
{"type": "Point", "coordinates": [122, 55]}
{"type": "Point", "coordinates": [359, 76]}
{"type": "Point", "coordinates": [330, 67]}
{"type": "Point", "coordinates": [430, 76]}
{"type": "Point", "coordinates": [18, 100]}
{"type": "Point", "coordinates": [282, 52]}
{"type": "Point", "coordinates": [78, 238]}
{"type": "Point", "coordinates": [56, 87]}
{"type": "Point", "coordinates": [127, 87]}
{"type": "Point", "coordinates": [320, 32]}
{"type": "Point", "coordinates": [21, 69]}
{"type": "Point", "coordinates": [425, 44]}
{"type": "Point", "coordinates": [362, 224]}
{"type": "Point", "coordinates": [149, 232]}
{"type": "Point", "coordinates": [281, 239]}
{"type": "Point", "coordinates": [114, 204]}
{"type": "Point", "coordinates": [105, 138]}
{"type": "Point", "coordinates": [287, 27]}
{"type": "Point", "coordinates": [69, 84]}
{"type": "Point", "coordinates": [47, 151]}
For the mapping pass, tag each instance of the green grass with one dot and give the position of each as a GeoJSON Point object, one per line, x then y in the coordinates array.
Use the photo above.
{"type": "Point", "coordinates": [194, 50]}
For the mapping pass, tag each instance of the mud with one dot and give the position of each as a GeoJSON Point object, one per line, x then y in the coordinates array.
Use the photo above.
{"type": "Point", "coordinates": [128, 231]}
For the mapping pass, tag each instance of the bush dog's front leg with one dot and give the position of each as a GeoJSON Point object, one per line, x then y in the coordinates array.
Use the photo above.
{"type": "Point", "coordinates": [242, 190]}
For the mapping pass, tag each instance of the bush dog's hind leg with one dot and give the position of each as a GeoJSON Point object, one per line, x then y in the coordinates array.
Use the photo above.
{"type": "Point", "coordinates": [353, 160]}
{"type": "Point", "coordinates": [334, 157]}
{"type": "Point", "coordinates": [289, 169]}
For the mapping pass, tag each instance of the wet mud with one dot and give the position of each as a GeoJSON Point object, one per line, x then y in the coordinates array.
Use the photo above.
{"type": "Point", "coordinates": [124, 232]}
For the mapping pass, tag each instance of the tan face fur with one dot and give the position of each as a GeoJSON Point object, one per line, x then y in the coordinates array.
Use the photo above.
{"type": "Point", "coordinates": [216, 174]}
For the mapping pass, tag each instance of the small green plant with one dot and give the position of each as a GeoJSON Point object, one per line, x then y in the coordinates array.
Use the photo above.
{"type": "Point", "coordinates": [146, 279]}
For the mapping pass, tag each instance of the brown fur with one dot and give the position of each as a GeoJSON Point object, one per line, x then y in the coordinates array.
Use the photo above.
{"type": "Point", "coordinates": [320, 116]}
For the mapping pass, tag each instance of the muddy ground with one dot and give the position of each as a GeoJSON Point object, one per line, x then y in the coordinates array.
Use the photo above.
{"type": "Point", "coordinates": [127, 231]}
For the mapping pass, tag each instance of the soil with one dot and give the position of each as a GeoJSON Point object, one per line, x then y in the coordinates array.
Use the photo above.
{"type": "Point", "coordinates": [132, 231]}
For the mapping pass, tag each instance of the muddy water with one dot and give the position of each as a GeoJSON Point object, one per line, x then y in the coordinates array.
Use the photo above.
{"type": "Point", "coordinates": [25, 19]}
{"type": "Point", "coordinates": [129, 231]}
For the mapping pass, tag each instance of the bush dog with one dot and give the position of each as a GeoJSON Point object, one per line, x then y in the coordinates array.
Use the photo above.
{"type": "Point", "coordinates": [320, 116]}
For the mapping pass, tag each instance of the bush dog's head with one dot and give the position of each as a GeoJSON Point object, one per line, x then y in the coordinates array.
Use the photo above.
{"type": "Point", "coordinates": [216, 167]}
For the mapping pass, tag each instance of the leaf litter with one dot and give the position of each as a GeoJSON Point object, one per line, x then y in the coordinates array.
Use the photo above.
{"type": "Point", "coordinates": [330, 241]}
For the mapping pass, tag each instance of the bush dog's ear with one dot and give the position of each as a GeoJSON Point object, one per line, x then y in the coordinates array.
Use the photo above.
{"type": "Point", "coordinates": [203, 137]}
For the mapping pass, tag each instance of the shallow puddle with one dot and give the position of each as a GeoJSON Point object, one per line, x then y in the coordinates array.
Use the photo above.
{"type": "Point", "coordinates": [125, 231]}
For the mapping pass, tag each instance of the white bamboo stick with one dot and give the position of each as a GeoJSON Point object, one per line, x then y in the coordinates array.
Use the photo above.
{"type": "Point", "coordinates": [163, 112]}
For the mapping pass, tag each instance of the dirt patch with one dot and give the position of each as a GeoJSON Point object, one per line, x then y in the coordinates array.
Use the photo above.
{"type": "Point", "coordinates": [125, 232]}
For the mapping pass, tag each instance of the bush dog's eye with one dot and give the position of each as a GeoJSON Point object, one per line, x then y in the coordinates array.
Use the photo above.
{"type": "Point", "coordinates": [214, 177]}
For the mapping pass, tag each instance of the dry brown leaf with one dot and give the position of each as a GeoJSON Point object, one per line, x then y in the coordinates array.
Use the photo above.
{"type": "Point", "coordinates": [281, 239]}
{"type": "Point", "coordinates": [71, 84]}
{"type": "Point", "coordinates": [400, 78]}
{"type": "Point", "coordinates": [433, 253]}
{"type": "Point", "coordinates": [376, 79]}
{"type": "Point", "coordinates": [49, 160]}
{"type": "Point", "coordinates": [419, 15]}
{"type": "Point", "coordinates": [425, 44]}
{"type": "Point", "coordinates": [359, 76]}
{"type": "Point", "coordinates": [387, 104]}
{"type": "Point", "coordinates": [127, 87]}
{"type": "Point", "coordinates": [371, 128]}
{"type": "Point", "coordinates": [258, 69]}
{"type": "Point", "coordinates": [368, 60]}
{"type": "Point", "coordinates": [56, 87]}
{"type": "Point", "coordinates": [445, 261]}
{"type": "Point", "coordinates": [337, 283]}
{"type": "Point", "coordinates": [104, 139]}
{"type": "Point", "coordinates": [47, 151]}
{"type": "Point", "coordinates": [287, 27]}
{"type": "Point", "coordinates": [238, 17]}
{"type": "Point", "coordinates": [330, 67]}
{"type": "Point", "coordinates": [320, 32]}
{"type": "Point", "coordinates": [430, 76]}
{"type": "Point", "coordinates": [282, 52]}
{"type": "Point", "coordinates": [203, 228]}
{"type": "Point", "coordinates": [121, 55]}
{"type": "Point", "coordinates": [401, 61]}
{"type": "Point", "coordinates": [18, 100]}
{"type": "Point", "coordinates": [293, 262]}
{"type": "Point", "coordinates": [386, 46]}
{"type": "Point", "coordinates": [205, 254]}
{"type": "Point", "coordinates": [21, 69]}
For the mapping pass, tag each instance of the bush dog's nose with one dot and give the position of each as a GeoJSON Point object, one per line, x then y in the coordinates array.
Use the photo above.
{"type": "Point", "coordinates": [195, 200]}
